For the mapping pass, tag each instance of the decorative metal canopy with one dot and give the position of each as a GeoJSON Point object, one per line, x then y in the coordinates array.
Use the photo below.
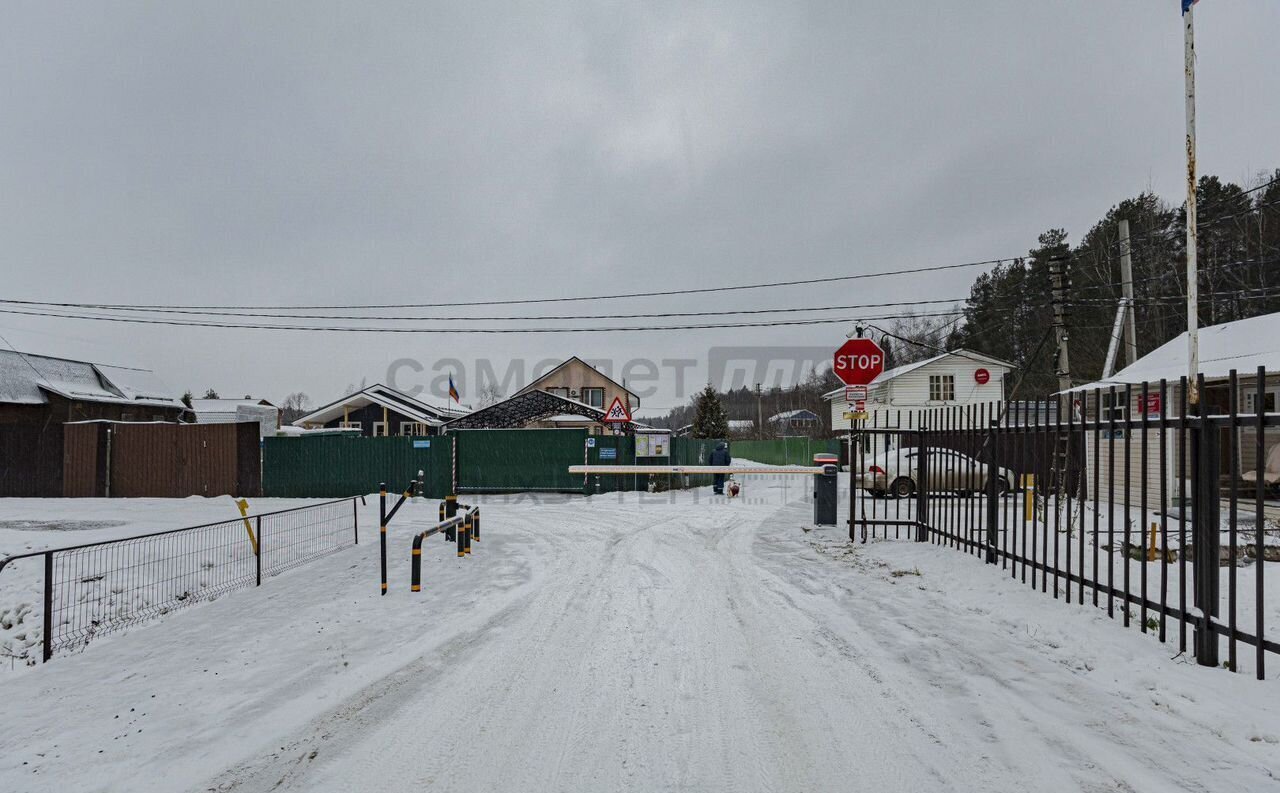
{"type": "Point", "coordinates": [524, 409]}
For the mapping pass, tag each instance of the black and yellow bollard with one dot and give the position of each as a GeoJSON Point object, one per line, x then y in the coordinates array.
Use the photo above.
{"type": "Point", "coordinates": [450, 509]}
{"type": "Point", "coordinates": [462, 548]}
{"type": "Point", "coordinates": [466, 530]}
{"type": "Point", "coordinates": [382, 530]}
{"type": "Point", "coordinates": [415, 582]}
{"type": "Point", "coordinates": [475, 524]}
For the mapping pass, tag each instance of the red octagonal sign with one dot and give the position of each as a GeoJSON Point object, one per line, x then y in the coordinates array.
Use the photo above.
{"type": "Point", "coordinates": [858, 362]}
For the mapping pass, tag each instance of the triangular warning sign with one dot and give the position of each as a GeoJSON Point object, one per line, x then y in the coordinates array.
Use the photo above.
{"type": "Point", "coordinates": [617, 412]}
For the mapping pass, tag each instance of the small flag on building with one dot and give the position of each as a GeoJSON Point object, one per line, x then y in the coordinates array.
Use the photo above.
{"type": "Point", "coordinates": [453, 391]}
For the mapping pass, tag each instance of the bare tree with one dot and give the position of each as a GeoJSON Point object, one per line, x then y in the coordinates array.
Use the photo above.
{"type": "Point", "coordinates": [924, 338]}
{"type": "Point", "coordinates": [294, 407]}
{"type": "Point", "coordinates": [489, 394]}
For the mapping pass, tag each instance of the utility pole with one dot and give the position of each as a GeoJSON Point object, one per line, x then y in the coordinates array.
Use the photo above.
{"type": "Point", "coordinates": [1193, 281]}
{"type": "Point", "coordinates": [759, 415]}
{"type": "Point", "coordinates": [1060, 283]}
{"type": "Point", "coordinates": [1126, 286]}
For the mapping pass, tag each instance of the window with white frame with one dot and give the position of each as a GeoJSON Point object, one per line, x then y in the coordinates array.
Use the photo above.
{"type": "Point", "coordinates": [350, 425]}
{"type": "Point", "coordinates": [593, 397]}
{"type": "Point", "coordinates": [413, 428]}
{"type": "Point", "coordinates": [1114, 406]}
{"type": "Point", "coordinates": [942, 388]}
{"type": "Point", "coordinates": [1268, 400]}
{"type": "Point", "coordinates": [564, 392]}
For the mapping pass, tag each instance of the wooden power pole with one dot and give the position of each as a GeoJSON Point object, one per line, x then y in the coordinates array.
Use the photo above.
{"type": "Point", "coordinates": [1060, 282]}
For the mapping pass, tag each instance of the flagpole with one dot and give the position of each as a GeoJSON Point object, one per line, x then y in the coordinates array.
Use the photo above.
{"type": "Point", "coordinates": [1193, 284]}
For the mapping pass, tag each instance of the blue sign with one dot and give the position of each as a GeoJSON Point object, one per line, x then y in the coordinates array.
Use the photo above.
{"type": "Point", "coordinates": [422, 444]}
{"type": "Point", "coordinates": [608, 454]}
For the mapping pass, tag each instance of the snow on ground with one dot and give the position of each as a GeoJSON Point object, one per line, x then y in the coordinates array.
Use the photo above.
{"type": "Point", "coordinates": [33, 524]}
{"type": "Point", "coordinates": [632, 641]}
{"type": "Point", "coordinates": [965, 517]}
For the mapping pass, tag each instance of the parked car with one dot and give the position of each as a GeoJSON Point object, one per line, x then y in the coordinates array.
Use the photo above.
{"type": "Point", "coordinates": [896, 473]}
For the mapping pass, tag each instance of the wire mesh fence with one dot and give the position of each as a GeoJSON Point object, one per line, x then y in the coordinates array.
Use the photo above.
{"type": "Point", "coordinates": [93, 589]}
{"type": "Point", "coordinates": [1124, 498]}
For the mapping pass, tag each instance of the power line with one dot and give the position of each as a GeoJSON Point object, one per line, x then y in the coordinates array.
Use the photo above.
{"type": "Point", "coordinates": [470, 318]}
{"type": "Point", "coordinates": [530, 301]}
{"type": "Point", "coordinates": [341, 329]}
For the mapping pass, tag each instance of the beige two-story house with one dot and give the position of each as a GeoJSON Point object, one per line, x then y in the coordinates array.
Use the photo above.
{"type": "Point", "coordinates": [576, 379]}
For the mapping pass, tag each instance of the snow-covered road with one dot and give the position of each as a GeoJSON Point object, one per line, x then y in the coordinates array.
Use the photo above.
{"type": "Point", "coordinates": [630, 642]}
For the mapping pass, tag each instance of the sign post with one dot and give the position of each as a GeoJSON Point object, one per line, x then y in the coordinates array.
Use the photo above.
{"type": "Point", "coordinates": [857, 363]}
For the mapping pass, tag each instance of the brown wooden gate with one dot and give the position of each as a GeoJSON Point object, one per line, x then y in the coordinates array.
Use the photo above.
{"type": "Point", "coordinates": [161, 460]}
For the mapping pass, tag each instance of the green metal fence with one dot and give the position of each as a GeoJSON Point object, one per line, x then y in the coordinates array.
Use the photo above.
{"type": "Point", "coordinates": [487, 461]}
{"type": "Point", "coordinates": [519, 460]}
{"type": "Point", "coordinates": [784, 451]}
{"type": "Point", "coordinates": [334, 466]}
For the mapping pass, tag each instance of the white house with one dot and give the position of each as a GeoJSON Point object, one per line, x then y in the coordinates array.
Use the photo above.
{"type": "Point", "coordinates": [956, 378]}
{"type": "Point", "coordinates": [1242, 346]}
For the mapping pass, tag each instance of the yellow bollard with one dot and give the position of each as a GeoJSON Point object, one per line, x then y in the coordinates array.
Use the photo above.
{"type": "Point", "coordinates": [244, 513]}
{"type": "Point", "coordinates": [1029, 497]}
{"type": "Point", "coordinates": [1151, 551]}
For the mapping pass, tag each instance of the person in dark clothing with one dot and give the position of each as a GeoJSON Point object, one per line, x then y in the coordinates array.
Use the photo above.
{"type": "Point", "coordinates": [720, 456]}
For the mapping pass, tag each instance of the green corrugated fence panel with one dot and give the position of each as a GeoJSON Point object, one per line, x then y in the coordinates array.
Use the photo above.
{"type": "Point", "coordinates": [334, 466]}
{"type": "Point", "coordinates": [612, 450]}
{"type": "Point", "coordinates": [693, 451]}
{"type": "Point", "coordinates": [520, 460]}
{"type": "Point", "coordinates": [783, 451]}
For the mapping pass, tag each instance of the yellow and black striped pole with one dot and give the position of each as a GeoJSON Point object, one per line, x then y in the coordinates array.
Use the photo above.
{"type": "Point", "coordinates": [415, 582]}
{"type": "Point", "coordinates": [475, 524]}
{"type": "Point", "coordinates": [466, 530]}
{"type": "Point", "coordinates": [450, 509]}
{"type": "Point", "coordinates": [382, 530]}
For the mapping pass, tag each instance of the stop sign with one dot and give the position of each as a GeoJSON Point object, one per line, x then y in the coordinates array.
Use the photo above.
{"type": "Point", "coordinates": [858, 362]}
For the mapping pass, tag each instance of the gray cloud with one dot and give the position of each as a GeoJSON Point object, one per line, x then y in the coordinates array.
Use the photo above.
{"type": "Point", "coordinates": [303, 153]}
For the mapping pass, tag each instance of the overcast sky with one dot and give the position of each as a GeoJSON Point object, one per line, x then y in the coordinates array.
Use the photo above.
{"type": "Point", "coordinates": [293, 153]}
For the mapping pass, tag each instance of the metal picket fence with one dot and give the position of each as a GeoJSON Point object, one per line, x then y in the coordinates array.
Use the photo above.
{"type": "Point", "coordinates": [1123, 498]}
{"type": "Point", "coordinates": [93, 589]}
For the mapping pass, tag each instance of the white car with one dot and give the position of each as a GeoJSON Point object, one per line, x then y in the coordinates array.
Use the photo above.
{"type": "Point", "coordinates": [895, 473]}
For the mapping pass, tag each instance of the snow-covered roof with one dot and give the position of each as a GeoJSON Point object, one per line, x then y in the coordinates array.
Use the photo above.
{"type": "Point", "coordinates": [566, 418]}
{"type": "Point", "coordinates": [298, 432]}
{"type": "Point", "coordinates": [25, 379]}
{"type": "Point", "coordinates": [426, 411]}
{"type": "Point", "coordinates": [899, 371]}
{"type": "Point", "coordinates": [1243, 345]}
{"type": "Point", "coordinates": [791, 415]}
{"type": "Point", "coordinates": [738, 424]}
{"type": "Point", "coordinates": [226, 404]}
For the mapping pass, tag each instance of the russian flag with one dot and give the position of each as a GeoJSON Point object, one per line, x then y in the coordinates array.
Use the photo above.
{"type": "Point", "coordinates": [1186, 5]}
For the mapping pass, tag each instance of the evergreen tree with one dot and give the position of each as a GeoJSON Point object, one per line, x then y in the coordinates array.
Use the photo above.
{"type": "Point", "coordinates": [211, 394]}
{"type": "Point", "coordinates": [710, 420]}
{"type": "Point", "coordinates": [186, 398]}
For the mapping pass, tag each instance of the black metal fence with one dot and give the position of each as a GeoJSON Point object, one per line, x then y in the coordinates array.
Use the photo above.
{"type": "Point", "coordinates": [1124, 498]}
{"type": "Point", "coordinates": [96, 588]}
